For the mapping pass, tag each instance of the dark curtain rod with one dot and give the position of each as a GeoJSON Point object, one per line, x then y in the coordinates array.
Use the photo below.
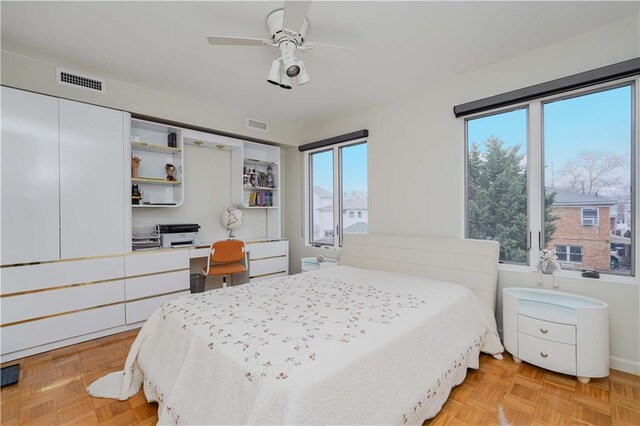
{"type": "Point", "coordinates": [334, 140]}
{"type": "Point", "coordinates": [564, 84]}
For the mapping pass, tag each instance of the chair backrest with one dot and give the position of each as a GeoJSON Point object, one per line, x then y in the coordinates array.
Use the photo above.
{"type": "Point", "coordinates": [227, 251]}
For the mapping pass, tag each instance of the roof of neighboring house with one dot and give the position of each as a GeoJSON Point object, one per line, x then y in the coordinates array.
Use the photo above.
{"type": "Point", "coordinates": [617, 239]}
{"type": "Point", "coordinates": [569, 198]}
{"type": "Point", "coordinates": [357, 228]}
{"type": "Point", "coordinates": [348, 204]}
{"type": "Point", "coordinates": [321, 192]}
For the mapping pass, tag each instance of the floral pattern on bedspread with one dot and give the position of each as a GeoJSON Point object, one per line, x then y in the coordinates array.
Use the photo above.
{"type": "Point", "coordinates": [276, 325]}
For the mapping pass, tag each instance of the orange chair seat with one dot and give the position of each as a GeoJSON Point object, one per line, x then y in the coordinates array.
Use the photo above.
{"type": "Point", "coordinates": [233, 268]}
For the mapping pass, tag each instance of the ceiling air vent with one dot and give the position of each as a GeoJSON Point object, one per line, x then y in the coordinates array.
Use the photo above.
{"type": "Point", "coordinates": [72, 78]}
{"type": "Point", "coordinates": [258, 125]}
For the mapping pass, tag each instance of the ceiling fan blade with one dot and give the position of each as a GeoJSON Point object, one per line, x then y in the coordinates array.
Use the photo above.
{"type": "Point", "coordinates": [295, 13]}
{"type": "Point", "coordinates": [313, 47]}
{"type": "Point", "coordinates": [235, 41]}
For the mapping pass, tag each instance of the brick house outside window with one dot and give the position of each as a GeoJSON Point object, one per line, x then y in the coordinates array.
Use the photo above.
{"type": "Point", "coordinates": [583, 236]}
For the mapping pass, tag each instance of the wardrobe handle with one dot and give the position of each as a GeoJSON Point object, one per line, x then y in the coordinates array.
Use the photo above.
{"type": "Point", "coordinates": [544, 330]}
{"type": "Point", "coordinates": [543, 355]}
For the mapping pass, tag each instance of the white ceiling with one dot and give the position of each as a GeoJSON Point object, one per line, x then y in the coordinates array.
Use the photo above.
{"type": "Point", "coordinates": [406, 46]}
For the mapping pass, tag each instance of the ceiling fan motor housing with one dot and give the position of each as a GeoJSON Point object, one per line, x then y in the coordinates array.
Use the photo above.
{"type": "Point", "coordinates": [275, 23]}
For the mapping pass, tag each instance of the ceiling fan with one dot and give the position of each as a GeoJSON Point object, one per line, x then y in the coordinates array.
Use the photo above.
{"type": "Point", "coordinates": [288, 28]}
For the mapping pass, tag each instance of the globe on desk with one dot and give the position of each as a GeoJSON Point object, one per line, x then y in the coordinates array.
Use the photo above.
{"type": "Point", "coordinates": [231, 219]}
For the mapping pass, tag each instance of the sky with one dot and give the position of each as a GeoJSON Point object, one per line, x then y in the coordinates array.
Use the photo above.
{"type": "Point", "coordinates": [354, 168]}
{"type": "Point", "coordinates": [596, 122]}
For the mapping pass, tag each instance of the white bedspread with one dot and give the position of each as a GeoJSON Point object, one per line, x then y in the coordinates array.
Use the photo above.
{"type": "Point", "coordinates": [338, 346]}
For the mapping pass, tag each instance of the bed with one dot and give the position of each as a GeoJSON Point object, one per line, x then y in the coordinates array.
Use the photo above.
{"type": "Point", "coordinates": [380, 339]}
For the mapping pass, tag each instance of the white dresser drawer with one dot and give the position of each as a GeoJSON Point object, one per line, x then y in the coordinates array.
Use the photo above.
{"type": "Point", "coordinates": [40, 332]}
{"type": "Point", "coordinates": [268, 277]}
{"type": "Point", "coordinates": [150, 285]}
{"type": "Point", "coordinates": [35, 305]}
{"type": "Point", "coordinates": [267, 266]}
{"type": "Point", "coordinates": [554, 356]}
{"type": "Point", "coordinates": [142, 309]}
{"type": "Point", "coordinates": [46, 275]}
{"type": "Point", "coordinates": [269, 249]}
{"type": "Point", "coordinates": [151, 262]}
{"type": "Point", "coordinates": [562, 333]}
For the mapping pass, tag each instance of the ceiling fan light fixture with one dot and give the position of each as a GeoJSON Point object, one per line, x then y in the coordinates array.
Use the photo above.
{"type": "Point", "coordinates": [285, 81]}
{"type": "Point", "coordinates": [274, 76]}
{"type": "Point", "coordinates": [303, 77]}
{"type": "Point", "coordinates": [288, 59]}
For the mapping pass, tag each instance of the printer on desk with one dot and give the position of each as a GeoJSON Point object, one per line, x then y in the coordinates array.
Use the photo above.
{"type": "Point", "coordinates": [178, 235]}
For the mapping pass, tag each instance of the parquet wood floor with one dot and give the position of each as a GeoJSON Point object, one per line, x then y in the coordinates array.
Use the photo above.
{"type": "Point", "coordinates": [52, 391]}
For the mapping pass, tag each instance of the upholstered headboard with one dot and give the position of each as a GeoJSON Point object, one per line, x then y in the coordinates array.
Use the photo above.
{"type": "Point", "coordinates": [472, 263]}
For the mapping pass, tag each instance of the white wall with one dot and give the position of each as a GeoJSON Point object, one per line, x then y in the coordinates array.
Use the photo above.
{"type": "Point", "coordinates": [415, 164]}
{"type": "Point", "coordinates": [40, 76]}
{"type": "Point", "coordinates": [207, 171]}
{"type": "Point", "coordinates": [207, 177]}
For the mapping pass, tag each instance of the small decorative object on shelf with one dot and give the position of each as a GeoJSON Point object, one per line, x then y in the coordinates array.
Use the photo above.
{"type": "Point", "coordinates": [548, 265]}
{"type": "Point", "coordinates": [270, 179]}
{"type": "Point", "coordinates": [172, 141]}
{"type": "Point", "coordinates": [320, 258]}
{"type": "Point", "coordinates": [252, 177]}
{"type": "Point", "coordinates": [170, 169]}
{"type": "Point", "coordinates": [135, 165]}
{"type": "Point", "coordinates": [231, 219]}
{"type": "Point", "coordinates": [135, 194]}
{"type": "Point", "coordinates": [246, 179]}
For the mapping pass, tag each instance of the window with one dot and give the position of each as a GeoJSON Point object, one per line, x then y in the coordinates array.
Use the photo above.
{"type": "Point", "coordinates": [589, 217]}
{"type": "Point", "coordinates": [569, 253]}
{"type": "Point", "coordinates": [497, 182]}
{"type": "Point", "coordinates": [321, 200]}
{"type": "Point", "coordinates": [337, 188]}
{"type": "Point", "coordinates": [556, 173]}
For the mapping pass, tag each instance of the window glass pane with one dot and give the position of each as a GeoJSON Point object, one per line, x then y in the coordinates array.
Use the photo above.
{"type": "Point", "coordinates": [587, 160]}
{"type": "Point", "coordinates": [322, 223]}
{"type": "Point", "coordinates": [354, 189]}
{"type": "Point", "coordinates": [497, 182]}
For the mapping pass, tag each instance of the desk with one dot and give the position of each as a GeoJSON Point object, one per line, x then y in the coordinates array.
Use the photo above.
{"type": "Point", "coordinates": [267, 258]}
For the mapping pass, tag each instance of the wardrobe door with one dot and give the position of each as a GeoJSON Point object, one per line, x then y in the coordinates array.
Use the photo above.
{"type": "Point", "coordinates": [30, 179]}
{"type": "Point", "coordinates": [91, 180]}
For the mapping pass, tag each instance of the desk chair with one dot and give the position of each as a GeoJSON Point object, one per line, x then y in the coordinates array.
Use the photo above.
{"type": "Point", "coordinates": [224, 259]}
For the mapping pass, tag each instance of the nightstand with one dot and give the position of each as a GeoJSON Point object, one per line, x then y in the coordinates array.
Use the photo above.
{"type": "Point", "coordinates": [312, 264]}
{"type": "Point", "coordinates": [558, 331]}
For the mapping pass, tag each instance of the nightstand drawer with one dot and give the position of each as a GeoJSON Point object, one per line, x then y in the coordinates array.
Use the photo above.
{"type": "Point", "coordinates": [562, 333]}
{"type": "Point", "coordinates": [554, 356]}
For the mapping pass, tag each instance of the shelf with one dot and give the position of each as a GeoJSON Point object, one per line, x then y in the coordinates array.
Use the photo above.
{"type": "Point", "coordinates": [148, 206]}
{"type": "Point", "coordinates": [260, 162]}
{"type": "Point", "coordinates": [259, 188]}
{"type": "Point", "coordinates": [259, 207]}
{"type": "Point", "coordinates": [150, 147]}
{"type": "Point", "coordinates": [155, 181]}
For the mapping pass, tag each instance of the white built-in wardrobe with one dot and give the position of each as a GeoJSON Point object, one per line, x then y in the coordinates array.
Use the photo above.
{"type": "Point", "coordinates": [64, 221]}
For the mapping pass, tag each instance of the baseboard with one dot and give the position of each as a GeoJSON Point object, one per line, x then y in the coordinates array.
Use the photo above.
{"type": "Point", "coordinates": [626, 365]}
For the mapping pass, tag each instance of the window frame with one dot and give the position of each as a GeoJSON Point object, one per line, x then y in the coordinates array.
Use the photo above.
{"type": "Point", "coordinates": [307, 232]}
{"type": "Point", "coordinates": [597, 218]}
{"type": "Point", "coordinates": [535, 173]}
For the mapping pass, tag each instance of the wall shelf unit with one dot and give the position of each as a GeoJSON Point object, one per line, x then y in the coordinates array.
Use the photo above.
{"type": "Point", "coordinates": [255, 182]}
{"type": "Point", "coordinates": [153, 149]}
{"type": "Point", "coordinates": [150, 147]}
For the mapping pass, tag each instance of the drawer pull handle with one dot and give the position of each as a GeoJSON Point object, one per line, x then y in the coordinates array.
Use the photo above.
{"type": "Point", "coordinates": [544, 330]}
{"type": "Point", "coordinates": [543, 355]}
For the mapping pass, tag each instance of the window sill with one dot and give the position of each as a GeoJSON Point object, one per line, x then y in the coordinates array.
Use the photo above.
{"type": "Point", "coordinates": [571, 274]}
